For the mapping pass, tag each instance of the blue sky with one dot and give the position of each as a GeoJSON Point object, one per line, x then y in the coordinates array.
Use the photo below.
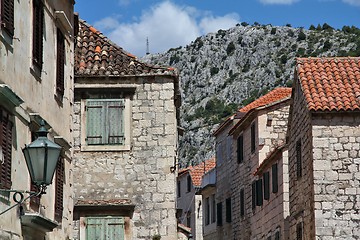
{"type": "Point", "coordinates": [170, 24]}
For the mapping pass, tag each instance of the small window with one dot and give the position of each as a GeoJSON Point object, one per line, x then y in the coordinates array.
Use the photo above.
{"type": "Point", "coordinates": [38, 32]}
{"type": "Point", "coordinates": [266, 185]}
{"type": "Point", "coordinates": [253, 138]}
{"type": "Point", "coordinates": [219, 214]}
{"type": "Point", "coordinates": [7, 16]}
{"type": "Point", "coordinates": [213, 209]}
{"type": "Point", "coordinates": [253, 194]}
{"type": "Point", "coordinates": [274, 173]}
{"type": "Point", "coordinates": [277, 235]}
{"type": "Point", "coordinates": [207, 211]}
{"type": "Point", "coordinates": [5, 148]}
{"type": "Point", "coordinates": [59, 189]}
{"type": "Point", "coordinates": [298, 159]}
{"type": "Point", "coordinates": [299, 231]}
{"type": "Point", "coordinates": [179, 188]}
{"type": "Point", "coordinates": [240, 149]}
{"type": "Point", "coordinates": [60, 64]}
{"type": "Point", "coordinates": [242, 203]}
{"type": "Point", "coordinates": [228, 209]}
{"type": "Point", "coordinates": [189, 183]}
{"type": "Point", "coordinates": [259, 192]}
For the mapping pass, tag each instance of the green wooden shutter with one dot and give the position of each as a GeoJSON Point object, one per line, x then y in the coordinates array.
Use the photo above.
{"type": "Point", "coordinates": [115, 122]}
{"type": "Point", "coordinates": [105, 228]}
{"type": "Point", "coordinates": [275, 183]}
{"type": "Point", "coordinates": [95, 122]}
{"type": "Point", "coordinates": [266, 185]}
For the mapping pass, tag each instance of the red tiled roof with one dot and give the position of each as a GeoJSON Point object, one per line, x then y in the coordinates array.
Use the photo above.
{"type": "Point", "coordinates": [198, 171]}
{"type": "Point", "coordinates": [275, 95]}
{"type": "Point", "coordinates": [96, 55]}
{"type": "Point", "coordinates": [330, 84]}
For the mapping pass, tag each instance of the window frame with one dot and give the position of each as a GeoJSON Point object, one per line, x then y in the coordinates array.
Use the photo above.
{"type": "Point", "coordinates": [60, 64]}
{"type": "Point", "coordinates": [219, 220]}
{"type": "Point", "coordinates": [253, 137]}
{"type": "Point", "coordinates": [127, 128]}
{"type": "Point", "coordinates": [188, 183]}
{"type": "Point", "coordinates": [275, 178]}
{"type": "Point", "coordinates": [6, 139]}
{"type": "Point", "coordinates": [240, 148]}
{"type": "Point", "coordinates": [266, 183]}
{"type": "Point", "coordinates": [38, 35]}
{"type": "Point", "coordinates": [7, 13]}
{"type": "Point", "coordinates": [228, 217]}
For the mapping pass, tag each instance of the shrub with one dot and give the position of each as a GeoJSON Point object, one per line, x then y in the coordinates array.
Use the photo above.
{"type": "Point", "coordinates": [312, 27]}
{"type": "Point", "coordinates": [244, 24]}
{"type": "Point", "coordinates": [230, 49]}
{"type": "Point", "coordinates": [213, 71]}
{"type": "Point", "coordinates": [273, 31]}
{"type": "Point", "coordinates": [301, 36]}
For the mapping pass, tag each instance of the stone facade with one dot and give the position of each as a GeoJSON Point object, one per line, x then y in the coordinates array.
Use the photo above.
{"type": "Point", "coordinates": [208, 191]}
{"type": "Point", "coordinates": [30, 95]}
{"type": "Point", "coordinates": [324, 200]}
{"type": "Point", "coordinates": [142, 176]}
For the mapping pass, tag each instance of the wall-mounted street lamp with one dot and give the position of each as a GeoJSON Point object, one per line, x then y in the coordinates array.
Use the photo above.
{"type": "Point", "coordinates": [41, 158]}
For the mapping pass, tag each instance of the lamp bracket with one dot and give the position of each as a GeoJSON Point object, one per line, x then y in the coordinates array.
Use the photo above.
{"type": "Point", "coordinates": [18, 196]}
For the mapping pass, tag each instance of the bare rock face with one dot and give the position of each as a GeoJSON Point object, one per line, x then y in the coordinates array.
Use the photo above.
{"type": "Point", "coordinates": [223, 71]}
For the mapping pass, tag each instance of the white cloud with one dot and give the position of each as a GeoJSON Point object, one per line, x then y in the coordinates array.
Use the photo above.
{"type": "Point", "coordinates": [166, 25]}
{"type": "Point", "coordinates": [352, 2]}
{"type": "Point", "coordinates": [286, 2]}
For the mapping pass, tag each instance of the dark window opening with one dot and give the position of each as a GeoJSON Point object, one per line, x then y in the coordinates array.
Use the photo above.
{"type": "Point", "coordinates": [299, 231]}
{"type": "Point", "coordinates": [60, 64]}
{"type": "Point", "coordinates": [38, 32]}
{"type": "Point", "coordinates": [219, 214]}
{"type": "Point", "coordinates": [228, 210]}
{"type": "Point", "coordinates": [266, 185]}
{"type": "Point", "coordinates": [253, 194]}
{"type": "Point", "coordinates": [189, 183]}
{"type": "Point", "coordinates": [253, 138]}
{"type": "Point", "coordinates": [274, 173]}
{"type": "Point", "coordinates": [298, 159]}
{"type": "Point", "coordinates": [240, 149]}
{"type": "Point", "coordinates": [259, 192]}
{"type": "Point", "coordinates": [179, 188]}
{"type": "Point", "coordinates": [242, 203]}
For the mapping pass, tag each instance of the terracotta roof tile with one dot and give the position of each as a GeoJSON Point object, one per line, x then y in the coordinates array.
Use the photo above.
{"type": "Point", "coordinates": [96, 55]}
{"type": "Point", "coordinates": [198, 171]}
{"type": "Point", "coordinates": [330, 84]}
{"type": "Point", "coordinates": [275, 95]}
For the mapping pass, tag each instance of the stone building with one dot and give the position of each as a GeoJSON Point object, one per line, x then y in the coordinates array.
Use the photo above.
{"type": "Point", "coordinates": [36, 83]}
{"type": "Point", "coordinates": [248, 145]}
{"type": "Point", "coordinates": [189, 200]}
{"type": "Point", "coordinates": [125, 143]}
{"type": "Point", "coordinates": [324, 129]}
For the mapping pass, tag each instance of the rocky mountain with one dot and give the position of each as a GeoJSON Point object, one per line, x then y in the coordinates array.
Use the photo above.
{"type": "Point", "coordinates": [223, 71]}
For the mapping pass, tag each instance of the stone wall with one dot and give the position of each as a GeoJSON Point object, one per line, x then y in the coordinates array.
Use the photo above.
{"type": "Point", "coordinates": [336, 175]}
{"type": "Point", "coordinates": [143, 174]}
{"type": "Point", "coordinates": [301, 189]}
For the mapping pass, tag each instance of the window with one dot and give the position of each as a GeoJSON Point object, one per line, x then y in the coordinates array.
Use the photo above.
{"type": "Point", "coordinates": [38, 32]}
{"type": "Point", "coordinates": [7, 16]}
{"type": "Point", "coordinates": [240, 149]}
{"type": "Point", "coordinates": [228, 209]}
{"type": "Point", "coordinates": [213, 209]}
{"type": "Point", "coordinates": [59, 189]}
{"type": "Point", "coordinates": [207, 211]}
{"type": "Point", "coordinates": [188, 183]}
{"type": "Point", "coordinates": [242, 203]}
{"type": "Point", "coordinates": [299, 231]}
{"type": "Point", "coordinates": [111, 228]}
{"type": "Point", "coordinates": [253, 194]}
{"type": "Point", "coordinates": [219, 214]}
{"type": "Point", "coordinates": [5, 149]}
{"type": "Point", "coordinates": [105, 124]}
{"type": "Point", "coordinates": [298, 159]}
{"type": "Point", "coordinates": [60, 64]}
{"type": "Point", "coordinates": [274, 173]}
{"type": "Point", "coordinates": [179, 188]}
{"type": "Point", "coordinates": [277, 235]}
{"type": "Point", "coordinates": [253, 141]}
{"type": "Point", "coordinates": [188, 219]}
{"type": "Point", "coordinates": [259, 192]}
{"type": "Point", "coordinates": [266, 185]}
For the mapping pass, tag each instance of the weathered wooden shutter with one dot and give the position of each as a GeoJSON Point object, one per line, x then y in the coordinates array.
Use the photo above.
{"type": "Point", "coordinates": [242, 203]}
{"type": "Point", "coordinates": [228, 209]}
{"type": "Point", "coordinates": [240, 149]}
{"type": "Point", "coordinates": [298, 159]}
{"type": "Point", "coordinates": [7, 16]}
{"type": "Point", "coordinates": [105, 228]}
{"type": "Point", "coordinates": [6, 148]}
{"type": "Point", "coordinates": [266, 185]}
{"type": "Point", "coordinates": [95, 125]}
{"type": "Point", "coordinates": [253, 139]}
{"type": "Point", "coordinates": [219, 214]}
{"type": "Point", "coordinates": [274, 173]}
{"type": "Point", "coordinates": [38, 29]}
{"type": "Point", "coordinates": [259, 192]}
{"type": "Point", "coordinates": [59, 190]}
{"type": "Point", "coordinates": [60, 63]}
{"type": "Point", "coordinates": [115, 122]}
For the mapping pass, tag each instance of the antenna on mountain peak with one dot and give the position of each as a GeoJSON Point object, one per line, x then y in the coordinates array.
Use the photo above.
{"type": "Point", "coordinates": [147, 46]}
